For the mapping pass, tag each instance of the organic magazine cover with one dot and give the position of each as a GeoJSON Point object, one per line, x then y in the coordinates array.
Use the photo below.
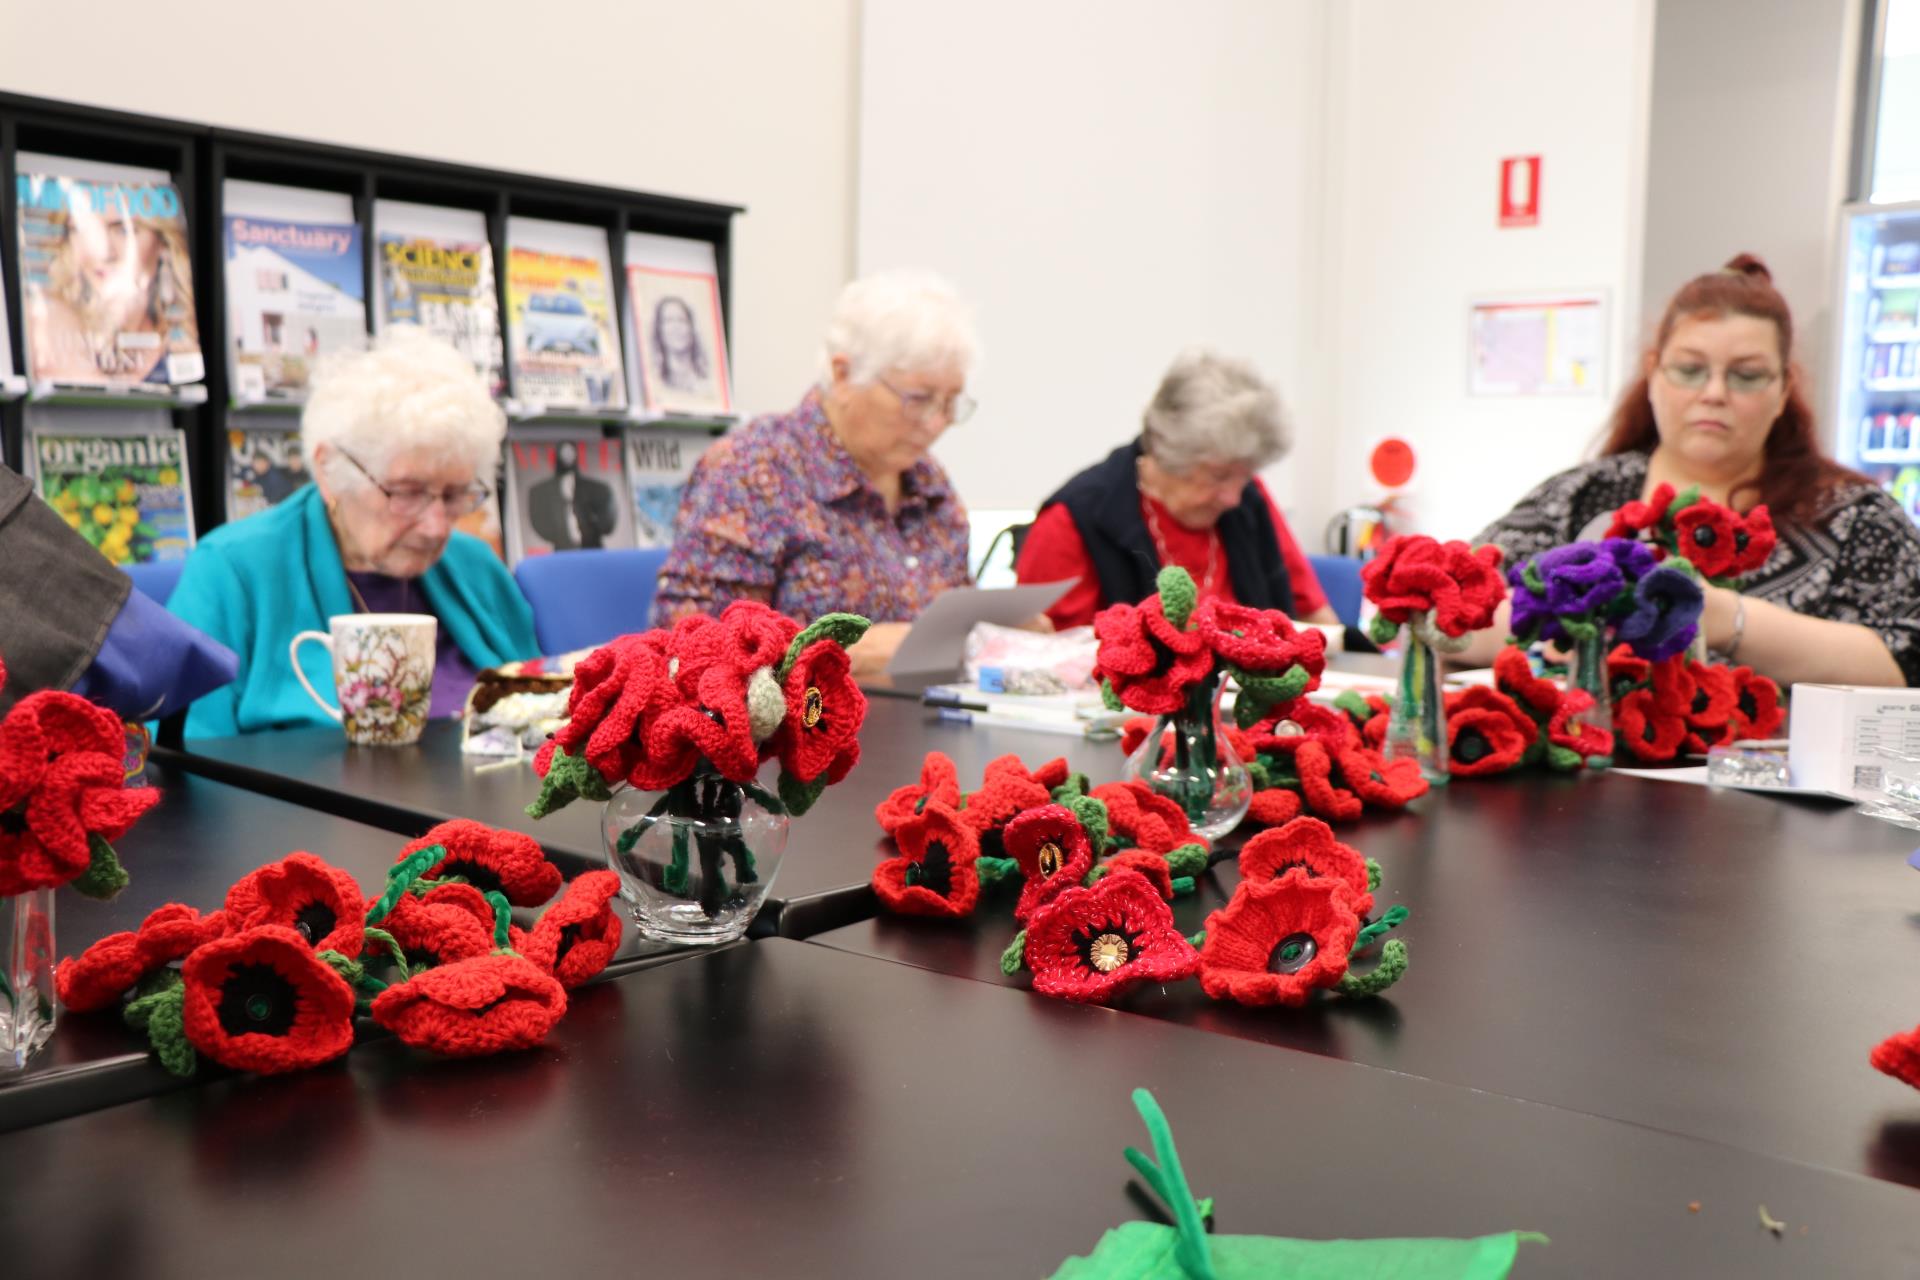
{"type": "Point", "coordinates": [125, 492]}
{"type": "Point", "coordinates": [566, 490]}
{"type": "Point", "coordinates": [106, 278]}
{"type": "Point", "coordinates": [295, 286]}
{"type": "Point", "coordinates": [436, 271]}
{"type": "Point", "coordinates": [659, 460]}
{"type": "Point", "coordinates": [566, 347]}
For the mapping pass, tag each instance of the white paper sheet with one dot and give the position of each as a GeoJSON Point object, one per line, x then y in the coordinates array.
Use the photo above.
{"type": "Point", "coordinates": [938, 641]}
{"type": "Point", "coordinates": [1696, 775]}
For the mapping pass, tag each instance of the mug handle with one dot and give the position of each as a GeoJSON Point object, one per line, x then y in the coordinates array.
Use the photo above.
{"type": "Point", "coordinates": [293, 656]}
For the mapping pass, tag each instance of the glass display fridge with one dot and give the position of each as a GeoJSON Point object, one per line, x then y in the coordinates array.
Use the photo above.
{"type": "Point", "coordinates": [1878, 366]}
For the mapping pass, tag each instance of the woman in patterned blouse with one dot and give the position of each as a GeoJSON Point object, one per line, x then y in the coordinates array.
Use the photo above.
{"type": "Point", "coordinates": [836, 505]}
{"type": "Point", "coordinates": [1719, 404]}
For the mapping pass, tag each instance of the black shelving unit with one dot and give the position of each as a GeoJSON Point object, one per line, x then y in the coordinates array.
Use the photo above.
{"type": "Point", "coordinates": [202, 158]}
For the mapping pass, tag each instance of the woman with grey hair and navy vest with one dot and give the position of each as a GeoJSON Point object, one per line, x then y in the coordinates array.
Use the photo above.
{"type": "Point", "coordinates": [1185, 492]}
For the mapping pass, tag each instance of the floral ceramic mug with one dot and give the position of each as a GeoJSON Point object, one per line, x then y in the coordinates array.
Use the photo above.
{"type": "Point", "coordinates": [382, 673]}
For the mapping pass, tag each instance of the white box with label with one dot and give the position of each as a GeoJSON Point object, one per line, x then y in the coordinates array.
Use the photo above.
{"type": "Point", "coordinates": [1836, 734]}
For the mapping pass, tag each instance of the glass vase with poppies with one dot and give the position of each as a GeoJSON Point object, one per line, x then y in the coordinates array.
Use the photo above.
{"type": "Point", "coordinates": [1168, 657]}
{"type": "Point", "coordinates": [670, 729]}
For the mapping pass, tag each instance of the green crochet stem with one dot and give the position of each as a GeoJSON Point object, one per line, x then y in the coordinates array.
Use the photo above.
{"type": "Point", "coordinates": [1092, 817]}
{"type": "Point", "coordinates": [1183, 886]}
{"type": "Point", "coordinates": [1177, 594]}
{"type": "Point", "coordinates": [765, 798]}
{"type": "Point", "coordinates": [502, 920]}
{"type": "Point", "coordinates": [1373, 875]}
{"type": "Point", "coordinates": [1259, 694]}
{"type": "Point", "coordinates": [844, 628]}
{"type": "Point", "coordinates": [993, 871]}
{"type": "Point", "coordinates": [1169, 1182]}
{"type": "Point", "coordinates": [392, 944]}
{"type": "Point", "coordinates": [569, 778]}
{"type": "Point", "coordinates": [1393, 963]}
{"type": "Point", "coordinates": [355, 974]}
{"type": "Point", "coordinates": [1377, 930]}
{"type": "Point", "coordinates": [674, 879]}
{"type": "Point", "coordinates": [1077, 784]}
{"type": "Point", "coordinates": [1198, 940]}
{"type": "Point", "coordinates": [1530, 574]}
{"type": "Point", "coordinates": [159, 1011]}
{"type": "Point", "coordinates": [1257, 774]}
{"type": "Point", "coordinates": [104, 876]}
{"type": "Point", "coordinates": [401, 877]}
{"type": "Point", "coordinates": [1014, 958]}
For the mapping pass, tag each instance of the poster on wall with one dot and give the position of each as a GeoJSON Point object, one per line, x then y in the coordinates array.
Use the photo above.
{"type": "Point", "coordinates": [296, 286]}
{"type": "Point", "coordinates": [679, 338]}
{"type": "Point", "coordinates": [436, 271]}
{"type": "Point", "coordinates": [118, 478]}
{"type": "Point", "coordinates": [564, 334]}
{"type": "Point", "coordinates": [659, 462]}
{"type": "Point", "coordinates": [1538, 346]}
{"type": "Point", "coordinates": [106, 279]}
{"type": "Point", "coordinates": [566, 491]}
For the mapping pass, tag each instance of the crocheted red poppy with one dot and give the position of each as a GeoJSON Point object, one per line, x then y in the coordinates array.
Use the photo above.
{"type": "Point", "coordinates": [1276, 940]}
{"type": "Point", "coordinates": [1757, 712]}
{"type": "Point", "coordinates": [1378, 781]}
{"type": "Point", "coordinates": [715, 723]}
{"type": "Point", "coordinates": [1652, 722]}
{"type": "Point", "coordinates": [1753, 541]}
{"type": "Point", "coordinates": [1570, 729]}
{"type": "Point", "coordinates": [47, 840]}
{"type": "Point", "coordinates": [321, 903]}
{"type": "Point", "coordinates": [1899, 1056]}
{"type": "Point", "coordinates": [435, 933]}
{"type": "Point", "coordinates": [1513, 676]}
{"type": "Point", "coordinates": [490, 859]}
{"type": "Point", "coordinates": [576, 937]}
{"type": "Point", "coordinates": [41, 728]}
{"type": "Point", "coordinates": [1137, 815]}
{"type": "Point", "coordinates": [1308, 844]}
{"type": "Point", "coordinates": [1134, 732]}
{"type": "Point", "coordinates": [825, 709]}
{"type": "Point", "coordinates": [935, 874]}
{"type": "Point", "coordinates": [1716, 695]}
{"type": "Point", "coordinates": [1706, 535]}
{"type": "Point", "coordinates": [939, 781]}
{"type": "Point", "coordinates": [1482, 741]}
{"type": "Point", "coordinates": [1413, 573]}
{"type": "Point", "coordinates": [1625, 672]}
{"type": "Point", "coordinates": [747, 636]}
{"type": "Point", "coordinates": [1053, 851]}
{"type": "Point", "coordinates": [1150, 663]}
{"type": "Point", "coordinates": [262, 1000]}
{"type": "Point", "coordinates": [1289, 724]}
{"type": "Point", "coordinates": [1273, 806]}
{"type": "Point", "coordinates": [1637, 517]}
{"type": "Point", "coordinates": [1153, 866]}
{"type": "Point", "coordinates": [489, 1004]}
{"type": "Point", "coordinates": [612, 687]}
{"type": "Point", "coordinates": [100, 975]}
{"type": "Point", "coordinates": [1260, 641]}
{"type": "Point", "coordinates": [1094, 944]}
{"type": "Point", "coordinates": [1323, 796]}
{"type": "Point", "coordinates": [1008, 789]}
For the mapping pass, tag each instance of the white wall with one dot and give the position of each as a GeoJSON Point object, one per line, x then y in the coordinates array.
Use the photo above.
{"type": "Point", "coordinates": [1107, 181]}
{"type": "Point", "coordinates": [738, 101]}
{"type": "Point", "coordinates": [1425, 99]}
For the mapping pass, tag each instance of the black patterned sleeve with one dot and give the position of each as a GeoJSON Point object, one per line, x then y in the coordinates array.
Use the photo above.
{"type": "Point", "coordinates": [1877, 579]}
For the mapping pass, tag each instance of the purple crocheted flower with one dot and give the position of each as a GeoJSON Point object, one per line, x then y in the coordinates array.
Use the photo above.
{"type": "Point", "coordinates": [1634, 558]}
{"type": "Point", "coordinates": [1580, 577]}
{"type": "Point", "coordinates": [1532, 618]}
{"type": "Point", "coordinates": [1665, 615]}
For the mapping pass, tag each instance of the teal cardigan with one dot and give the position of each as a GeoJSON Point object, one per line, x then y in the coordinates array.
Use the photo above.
{"type": "Point", "coordinates": [254, 584]}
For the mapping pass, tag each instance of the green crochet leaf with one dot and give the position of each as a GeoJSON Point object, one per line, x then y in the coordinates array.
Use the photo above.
{"type": "Point", "coordinates": [1373, 875]}
{"type": "Point", "coordinates": [843, 628]}
{"type": "Point", "coordinates": [569, 778]}
{"type": "Point", "coordinates": [1257, 774]}
{"type": "Point", "coordinates": [1184, 887]}
{"type": "Point", "coordinates": [1014, 958]}
{"type": "Point", "coordinates": [993, 871]}
{"type": "Point", "coordinates": [159, 1013]}
{"type": "Point", "coordinates": [1077, 784]}
{"type": "Point", "coordinates": [1354, 703]}
{"type": "Point", "coordinates": [1177, 594]}
{"type": "Point", "coordinates": [1564, 759]}
{"type": "Point", "coordinates": [1682, 500]}
{"type": "Point", "coordinates": [800, 796]}
{"type": "Point", "coordinates": [104, 876]}
{"type": "Point", "coordinates": [1092, 816]}
{"type": "Point", "coordinates": [1188, 860]}
{"type": "Point", "coordinates": [1368, 936]}
{"type": "Point", "coordinates": [1530, 574]}
{"type": "Point", "coordinates": [1108, 697]}
{"type": "Point", "coordinates": [1382, 629]}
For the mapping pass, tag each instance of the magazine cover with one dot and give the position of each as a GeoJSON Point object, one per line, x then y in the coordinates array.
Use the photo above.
{"type": "Point", "coordinates": [295, 289]}
{"type": "Point", "coordinates": [106, 279]}
{"type": "Point", "coordinates": [680, 342]}
{"type": "Point", "coordinates": [264, 466]}
{"type": "Point", "coordinates": [6, 342]}
{"type": "Point", "coordinates": [566, 490]}
{"type": "Point", "coordinates": [123, 491]}
{"type": "Point", "coordinates": [659, 460]}
{"type": "Point", "coordinates": [561, 322]}
{"type": "Point", "coordinates": [436, 271]}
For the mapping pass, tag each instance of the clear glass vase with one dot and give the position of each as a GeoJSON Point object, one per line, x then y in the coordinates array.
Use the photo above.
{"type": "Point", "coordinates": [26, 980]}
{"type": "Point", "coordinates": [1417, 727]}
{"type": "Point", "coordinates": [1189, 759]}
{"type": "Point", "coordinates": [1587, 672]}
{"type": "Point", "coordinates": [695, 862]}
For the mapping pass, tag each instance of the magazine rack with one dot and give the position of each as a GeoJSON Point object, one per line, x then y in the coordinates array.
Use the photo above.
{"type": "Point", "coordinates": [203, 158]}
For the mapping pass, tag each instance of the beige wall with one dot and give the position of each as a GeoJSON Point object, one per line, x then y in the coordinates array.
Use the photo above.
{"type": "Point", "coordinates": [739, 101]}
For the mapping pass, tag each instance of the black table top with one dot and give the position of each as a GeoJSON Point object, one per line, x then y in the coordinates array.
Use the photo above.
{"type": "Point", "coordinates": [783, 1108]}
{"type": "Point", "coordinates": [822, 882]}
{"type": "Point", "coordinates": [1709, 963]}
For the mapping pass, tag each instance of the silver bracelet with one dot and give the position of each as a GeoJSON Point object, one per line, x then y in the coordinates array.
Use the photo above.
{"type": "Point", "coordinates": [1739, 627]}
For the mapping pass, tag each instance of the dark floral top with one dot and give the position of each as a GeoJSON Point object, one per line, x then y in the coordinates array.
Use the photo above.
{"type": "Point", "coordinates": [1859, 563]}
{"type": "Point", "coordinates": [777, 511]}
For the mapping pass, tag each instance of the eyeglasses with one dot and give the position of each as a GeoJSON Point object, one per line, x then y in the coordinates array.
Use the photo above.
{"type": "Point", "coordinates": [410, 500]}
{"type": "Point", "coordinates": [1740, 382]}
{"type": "Point", "coordinates": [921, 405]}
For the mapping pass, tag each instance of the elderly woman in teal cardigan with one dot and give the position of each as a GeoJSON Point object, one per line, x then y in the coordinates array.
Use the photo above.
{"type": "Point", "coordinates": [401, 441]}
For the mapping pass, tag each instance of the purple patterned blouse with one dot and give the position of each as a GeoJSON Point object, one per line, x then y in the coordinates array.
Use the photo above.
{"type": "Point", "coordinates": [777, 511]}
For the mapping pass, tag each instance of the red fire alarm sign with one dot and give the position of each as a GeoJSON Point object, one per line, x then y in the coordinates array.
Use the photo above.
{"type": "Point", "coordinates": [1520, 191]}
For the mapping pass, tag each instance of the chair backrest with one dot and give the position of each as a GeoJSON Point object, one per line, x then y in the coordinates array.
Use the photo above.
{"type": "Point", "coordinates": [1340, 579]}
{"type": "Point", "coordinates": [582, 599]}
{"type": "Point", "coordinates": [156, 580]}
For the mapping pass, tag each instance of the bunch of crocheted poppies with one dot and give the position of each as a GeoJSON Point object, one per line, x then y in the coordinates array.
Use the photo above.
{"type": "Point", "coordinates": [64, 796]}
{"type": "Point", "coordinates": [1038, 830]}
{"type": "Point", "coordinates": [1165, 655]}
{"type": "Point", "coordinates": [710, 697]}
{"type": "Point", "coordinates": [1441, 591]}
{"type": "Point", "coordinates": [1721, 545]}
{"type": "Point", "coordinates": [274, 979]}
{"type": "Point", "coordinates": [1611, 590]}
{"type": "Point", "coordinates": [1677, 706]}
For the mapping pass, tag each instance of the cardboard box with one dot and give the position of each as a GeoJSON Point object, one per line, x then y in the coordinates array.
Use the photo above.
{"type": "Point", "coordinates": [1837, 733]}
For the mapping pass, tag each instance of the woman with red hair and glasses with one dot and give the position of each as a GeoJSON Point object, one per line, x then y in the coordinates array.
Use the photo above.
{"type": "Point", "coordinates": [1720, 404]}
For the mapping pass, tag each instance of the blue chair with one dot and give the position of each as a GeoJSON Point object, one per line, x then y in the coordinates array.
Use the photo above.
{"type": "Point", "coordinates": [582, 599]}
{"type": "Point", "coordinates": [156, 581]}
{"type": "Point", "coordinates": [1340, 579]}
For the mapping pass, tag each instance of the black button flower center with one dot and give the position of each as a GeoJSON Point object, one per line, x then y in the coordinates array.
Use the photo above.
{"type": "Point", "coordinates": [1704, 536]}
{"type": "Point", "coordinates": [1470, 746]}
{"type": "Point", "coordinates": [14, 821]}
{"type": "Point", "coordinates": [1292, 953]}
{"type": "Point", "coordinates": [1740, 540]}
{"type": "Point", "coordinates": [315, 920]}
{"type": "Point", "coordinates": [812, 707]}
{"type": "Point", "coordinates": [482, 878]}
{"type": "Point", "coordinates": [934, 872]}
{"type": "Point", "coordinates": [1748, 707]}
{"type": "Point", "coordinates": [1051, 859]}
{"type": "Point", "coordinates": [257, 1000]}
{"type": "Point", "coordinates": [1700, 701]}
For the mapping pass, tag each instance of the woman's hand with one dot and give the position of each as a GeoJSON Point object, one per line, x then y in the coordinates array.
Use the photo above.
{"type": "Point", "coordinates": [875, 649]}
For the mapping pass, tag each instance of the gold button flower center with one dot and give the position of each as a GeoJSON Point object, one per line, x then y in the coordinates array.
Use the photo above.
{"type": "Point", "coordinates": [1051, 859]}
{"type": "Point", "coordinates": [1108, 952]}
{"type": "Point", "coordinates": [815, 704]}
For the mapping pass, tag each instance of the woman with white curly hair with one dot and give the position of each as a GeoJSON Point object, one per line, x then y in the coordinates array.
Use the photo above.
{"type": "Point", "coordinates": [1185, 492]}
{"type": "Point", "coordinates": [402, 441]}
{"type": "Point", "coordinates": [836, 505]}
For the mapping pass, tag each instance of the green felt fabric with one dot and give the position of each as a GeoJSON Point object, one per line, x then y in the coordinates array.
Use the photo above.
{"type": "Point", "coordinates": [1145, 1251]}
